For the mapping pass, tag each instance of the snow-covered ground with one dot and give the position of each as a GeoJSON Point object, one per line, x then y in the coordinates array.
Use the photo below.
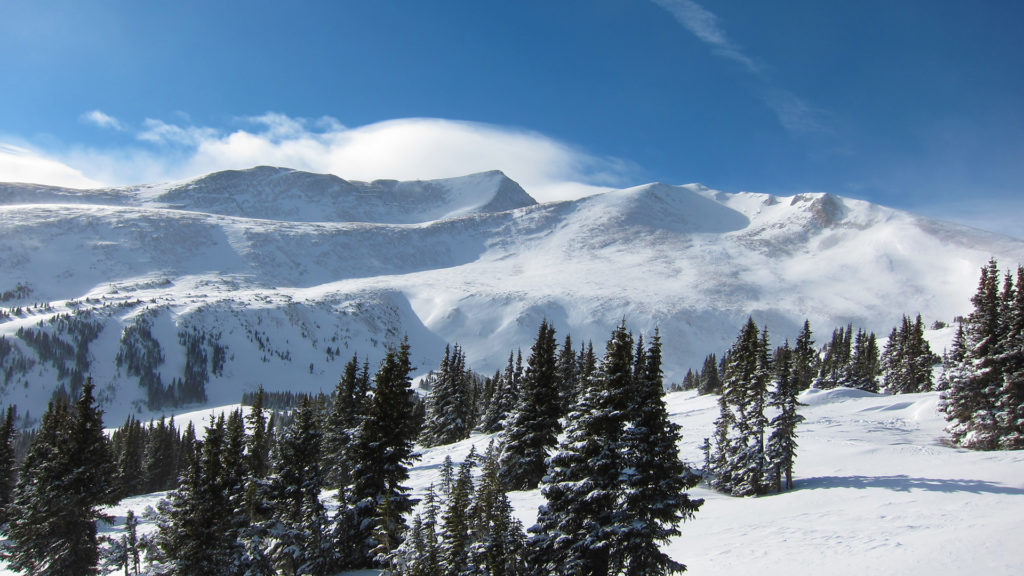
{"type": "Point", "coordinates": [878, 491]}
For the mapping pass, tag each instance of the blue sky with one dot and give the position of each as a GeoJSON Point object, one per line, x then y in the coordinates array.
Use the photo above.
{"type": "Point", "coordinates": [913, 104]}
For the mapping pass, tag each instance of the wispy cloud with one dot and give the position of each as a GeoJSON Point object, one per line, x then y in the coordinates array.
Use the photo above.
{"type": "Point", "coordinates": [704, 25]}
{"type": "Point", "coordinates": [793, 112]}
{"type": "Point", "coordinates": [101, 119]}
{"type": "Point", "coordinates": [405, 149]}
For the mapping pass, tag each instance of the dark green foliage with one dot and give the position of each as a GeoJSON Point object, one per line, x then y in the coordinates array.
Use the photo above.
{"type": "Point", "coordinates": [532, 429]}
{"type": "Point", "coordinates": [8, 436]}
{"type": "Point", "coordinates": [865, 365]}
{"type": "Point", "coordinates": [609, 499]}
{"type": "Point", "coordinates": [298, 527]}
{"type": "Point", "coordinates": [781, 449]}
{"type": "Point", "coordinates": [654, 500]}
{"type": "Point", "coordinates": [836, 360]}
{"type": "Point", "coordinates": [349, 403]}
{"type": "Point", "coordinates": [381, 453]}
{"type": "Point", "coordinates": [67, 475]}
{"type": "Point", "coordinates": [908, 359]}
{"type": "Point", "coordinates": [738, 463]}
{"type": "Point", "coordinates": [708, 381]}
{"type": "Point", "coordinates": [450, 408]}
{"type": "Point", "coordinates": [806, 361]}
{"type": "Point", "coordinates": [743, 461]}
{"type": "Point", "coordinates": [984, 399]}
{"type": "Point", "coordinates": [505, 396]}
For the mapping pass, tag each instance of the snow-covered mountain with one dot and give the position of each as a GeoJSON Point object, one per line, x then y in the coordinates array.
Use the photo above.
{"type": "Point", "coordinates": [277, 277]}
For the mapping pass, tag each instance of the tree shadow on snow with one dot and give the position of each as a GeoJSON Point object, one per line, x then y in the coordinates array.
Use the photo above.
{"type": "Point", "coordinates": [904, 483]}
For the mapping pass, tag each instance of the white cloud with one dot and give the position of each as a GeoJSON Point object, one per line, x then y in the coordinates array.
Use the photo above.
{"type": "Point", "coordinates": [159, 132]}
{"type": "Point", "coordinates": [405, 149]}
{"type": "Point", "coordinates": [99, 118]}
{"type": "Point", "coordinates": [22, 165]}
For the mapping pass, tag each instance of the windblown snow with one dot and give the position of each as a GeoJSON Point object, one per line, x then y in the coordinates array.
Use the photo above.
{"type": "Point", "coordinates": [292, 273]}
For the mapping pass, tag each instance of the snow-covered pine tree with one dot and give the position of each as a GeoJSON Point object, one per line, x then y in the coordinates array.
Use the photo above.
{"type": "Point", "coordinates": [806, 360]}
{"type": "Point", "coordinates": [1010, 399]}
{"type": "Point", "coordinates": [381, 453]}
{"type": "Point", "coordinates": [498, 540]}
{"type": "Point", "coordinates": [654, 499]}
{"type": "Point", "coordinates": [68, 474]}
{"type": "Point", "coordinates": [450, 410]}
{"type": "Point", "coordinates": [455, 521]}
{"type": "Point", "coordinates": [505, 396]}
{"type": "Point", "coordinates": [864, 364]}
{"type": "Point", "coordinates": [532, 428]}
{"type": "Point", "coordinates": [836, 359]}
{"type": "Point", "coordinates": [194, 523]}
{"type": "Point", "coordinates": [8, 435]}
{"type": "Point", "coordinates": [781, 449]}
{"type": "Point", "coordinates": [970, 401]}
{"type": "Point", "coordinates": [908, 359]}
{"type": "Point", "coordinates": [299, 536]}
{"type": "Point", "coordinates": [577, 525]}
{"type": "Point", "coordinates": [738, 462]}
{"type": "Point", "coordinates": [710, 383]}
{"type": "Point", "coordinates": [568, 375]}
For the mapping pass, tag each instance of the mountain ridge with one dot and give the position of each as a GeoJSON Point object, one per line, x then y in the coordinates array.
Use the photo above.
{"type": "Point", "coordinates": [472, 260]}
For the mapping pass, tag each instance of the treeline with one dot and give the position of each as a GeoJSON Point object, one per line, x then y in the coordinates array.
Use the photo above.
{"type": "Point", "coordinates": [849, 359]}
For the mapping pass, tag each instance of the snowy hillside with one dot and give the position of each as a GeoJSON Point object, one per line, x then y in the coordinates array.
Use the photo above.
{"type": "Point", "coordinates": [877, 491]}
{"type": "Point", "coordinates": [276, 277]}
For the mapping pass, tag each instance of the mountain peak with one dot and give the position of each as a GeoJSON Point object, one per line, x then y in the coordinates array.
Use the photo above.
{"type": "Point", "coordinates": [273, 193]}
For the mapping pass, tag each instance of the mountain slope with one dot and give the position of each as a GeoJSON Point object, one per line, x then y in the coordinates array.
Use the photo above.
{"type": "Point", "coordinates": [293, 273]}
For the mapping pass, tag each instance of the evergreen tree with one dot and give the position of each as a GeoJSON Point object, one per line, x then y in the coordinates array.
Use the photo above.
{"type": "Point", "coordinates": [738, 463]}
{"type": "Point", "coordinates": [806, 360]}
{"type": "Point", "coordinates": [568, 375]}
{"type": "Point", "coordinates": [533, 427]}
{"type": "Point", "coordinates": [836, 360]}
{"type": "Point", "coordinates": [709, 381]}
{"type": "Point", "coordinates": [299, 531]}
{"type": "Point", "coordinates": [781, 449]}
{"type": "Point", "coordinates": [498, 540]}
{"type": "Point", "coordinates": [864, 366]}
{"type": "Point", "coordinates": [969, 403]}
{"type": "Point", "coordinates": [67, 475]}
{"type": "Point", "coordinates": [576, 527]}
{"type": "Point", "coordinates": [449, 417]}
{"type": "Point", "coordinates": [654, 499]}
{"type": "Point", "coordinates": [195, 522]}
{"type": "Point", "coordinates": [505, 396]}
{"type": "Point", "coordinates": [8, 436]}
{"type": "Point", "coordinates": [381, 453]}
{"type": "Point", "coordinates": [908, 359]}
{"type": "Point", "coordinates": [456, 520]}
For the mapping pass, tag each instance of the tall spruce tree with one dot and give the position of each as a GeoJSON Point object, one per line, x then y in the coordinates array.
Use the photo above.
{"type": "Point", "coordinates": [68, 474]}
{"type": "Point", "coordinates": [738, 464]}
{"type": "Point", "coordinates": [450, 410]}
{"type": "Point", "coordinates": [381, 453]}
{"type": "Point", "coordinates": [532, 429]}
{"type": "Point", "coordinates": [984, 402]}
{"type": "Point", "coordinates": [806, 360]}
{"type": "Point", "coordinates": [8, 436]}
{"type": "Point", "coordinates": [781, 449]}
{"type": "Point", "coordinates": [299, 533]}
{"type": "Point", "coordinates": [654, 499]}
{"type": "Point", "coordinates": [577, 526]}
